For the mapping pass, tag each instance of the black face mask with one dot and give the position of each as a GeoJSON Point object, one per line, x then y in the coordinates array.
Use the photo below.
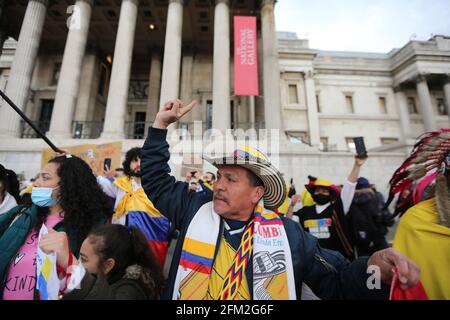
{"type": "Point", "coordinates": [321, 199]}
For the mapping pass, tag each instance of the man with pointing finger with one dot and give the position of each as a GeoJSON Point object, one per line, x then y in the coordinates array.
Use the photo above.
{"type": "Point", "coordinates": [236, 247]}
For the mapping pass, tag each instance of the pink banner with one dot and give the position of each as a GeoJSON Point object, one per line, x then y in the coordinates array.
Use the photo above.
{"type": "Point", "coordinates": [245, 57]}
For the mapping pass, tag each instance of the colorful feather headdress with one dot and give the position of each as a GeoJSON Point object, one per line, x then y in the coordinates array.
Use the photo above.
{"type": "Point", "coordinates": [429, 155]}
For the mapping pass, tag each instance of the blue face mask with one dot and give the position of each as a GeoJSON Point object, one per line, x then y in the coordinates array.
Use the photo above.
{"type": "Point", "coordinates": [42, 197]}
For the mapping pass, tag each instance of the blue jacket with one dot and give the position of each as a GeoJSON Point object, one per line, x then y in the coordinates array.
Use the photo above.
{"type": "Point", "coordinates": [326, 272]}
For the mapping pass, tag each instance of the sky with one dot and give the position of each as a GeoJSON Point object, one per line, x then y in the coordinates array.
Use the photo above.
{"type": "Point", "coordinates": [363, 25]}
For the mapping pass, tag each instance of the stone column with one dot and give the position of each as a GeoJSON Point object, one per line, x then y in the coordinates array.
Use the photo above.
{"type": "Point", "coordinates": [311, 104]}
{"type": "Point", "coordinates": [425, 105]}
{"type": "Point", "coordinates": [2, 31]}
{"type": "Point", "coordinates": [22, 67]}
{"type": "Point", "coordinates": [405, 119]}
{"type": "Point", "coordinates": [170, 83]}
{"type": "Point", "coordinates": [154, 87]}
{"type": "Point", "coordinates": [68, 88]}
{"type": "Point", "coordinates": [221, 67]}
{"type": "Point", "coordinates": [271, 68]}
{"type": "Point", "coordinates": [186, 84]}
{"type": "Point", "coordinates": [88, 87]}
{"type": "Point", "coordinates": [447, 94]}
{"type": "Point", "coordinates": [116, 105]}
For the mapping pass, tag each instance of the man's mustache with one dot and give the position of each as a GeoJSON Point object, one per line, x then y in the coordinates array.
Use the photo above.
{"type": "Point", "coordinates": [136, 173]}
{"type": "Point", "coordinates": [220, 196]}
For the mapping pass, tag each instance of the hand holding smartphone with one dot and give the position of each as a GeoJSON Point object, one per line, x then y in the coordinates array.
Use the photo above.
{"type": "Point", "coordinates": [360, 146]}
{"type": "Point", "coordinates": [107, 164]}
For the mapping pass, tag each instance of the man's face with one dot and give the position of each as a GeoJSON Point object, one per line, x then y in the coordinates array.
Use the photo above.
{"type": "Point", "coordinates": [234, 196]}
{"type": "Point", "coordinates": [208, 177]}
{"type": "Point", "coordinates": [135, 167]}
{"type": "Point", "coordinates": [320, 190]}
{"type": "Point", "coordinates": [193, 186]}
{"type": "Point", "coordinates": [119, 173]}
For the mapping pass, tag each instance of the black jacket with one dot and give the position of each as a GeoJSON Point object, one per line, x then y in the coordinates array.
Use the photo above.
{"type": "Point", "coordinates": [366, 221]}
{"type": "Point", "coordinates": [326, 272]}
{"type": "Point", "coordinates": [124, 287]}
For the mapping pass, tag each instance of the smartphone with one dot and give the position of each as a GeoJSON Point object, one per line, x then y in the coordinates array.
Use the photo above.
{"type": "Point", "coordinates": [360, 146]}
{"type": "Point", "coordinates": [107, 164]}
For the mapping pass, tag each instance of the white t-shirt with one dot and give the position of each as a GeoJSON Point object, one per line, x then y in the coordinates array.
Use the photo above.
{"type": "Point", "coordinates": [114, 191]}
{"type": "Point", "coordinates": [8, 203]}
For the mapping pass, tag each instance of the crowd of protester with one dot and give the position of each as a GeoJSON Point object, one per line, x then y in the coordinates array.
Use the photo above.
{"type": "Point", "coordinates": [115, 229]}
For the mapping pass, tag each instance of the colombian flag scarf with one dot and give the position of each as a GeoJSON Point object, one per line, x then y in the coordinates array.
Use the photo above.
{"type": "Point", "coordinates": [142, 214]}
{"type": "Point", "coordinates": [202, 275]}
{"type": "Point", "coordinates": [420, 237]}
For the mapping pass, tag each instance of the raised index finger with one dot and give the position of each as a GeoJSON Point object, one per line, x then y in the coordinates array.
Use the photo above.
{"type": "Point", "coordinates": [189, 107]}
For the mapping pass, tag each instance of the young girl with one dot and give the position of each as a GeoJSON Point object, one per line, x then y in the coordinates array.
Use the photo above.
{"type": "Point", "coordinates": [117, 262]}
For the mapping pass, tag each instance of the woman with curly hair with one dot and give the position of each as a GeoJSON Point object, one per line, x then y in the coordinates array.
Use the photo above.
{"type": "Point", "coordinates": [117, 264]}
{"type": "Point", "coordinates": [66, 198]}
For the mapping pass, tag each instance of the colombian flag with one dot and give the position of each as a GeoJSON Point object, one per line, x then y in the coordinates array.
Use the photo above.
{"type": "Point", "coordinates": [142, 214]}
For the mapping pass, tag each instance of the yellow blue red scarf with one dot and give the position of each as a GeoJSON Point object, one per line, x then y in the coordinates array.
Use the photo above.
{"type": "Point", "coordinates": [420, 237]}
{"type": "Point", "coordinates": [264, 243]}
{"type": "Point", "coordinates": [141, 213]}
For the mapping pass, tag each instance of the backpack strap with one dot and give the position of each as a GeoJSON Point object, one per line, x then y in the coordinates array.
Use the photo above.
{"type": "Point", "coordinates": [18, 214]}
{"type": "Point", "coordinates": [11, 217]}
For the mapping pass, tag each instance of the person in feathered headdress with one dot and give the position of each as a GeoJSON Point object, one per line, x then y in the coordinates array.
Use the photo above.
{"type": "Point", "coordinates": [423, 233]}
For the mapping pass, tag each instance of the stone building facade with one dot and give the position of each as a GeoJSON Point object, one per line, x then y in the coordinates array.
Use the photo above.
{"type": "Point", "coordinates": [104, 78]}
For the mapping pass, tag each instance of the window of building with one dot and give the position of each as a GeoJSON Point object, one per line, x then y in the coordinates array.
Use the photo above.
{"type": "Point", "coordinates": [412, 107]}
{"type": "Point", "coordinates": [323, 144]}
{"type": "Point", "coordinates": [350, 145]}
{"type": "Point", "coordinates": [184, 130]}
{"type": "Point", "coordinates": [55, 13]}
{"type": "Point", "coordinates": [382, 105]}
{"type": "Point", "coordinates": [209, 106]}
{"type": "Point", "coordinates": [147, 13]}
{"type": "Point", "coordinates": [319, 109]}
{"type": "Point", "coordinates": [102, 84]}
{"type": "Point", "coordinates": [56, 73]}
{"type": "Point", "coordinates": [139, 125]}
{"type": "Point", "coordinates": [298, 137]}
{"type": "Point", "coordinates": [386, 141]}
{"type": "Point", "coordinates": [349, 104]}
{"type": "Point", "coordinates": [112, 14]}
{"type": "Point", "coordinates": [45, 115]}
{"type": "Point", "coordinates": [293, 94]}
{"type": "Point", "coordinates": [232, 115]}
{"type": "Point", "coordinates": [442, 110]}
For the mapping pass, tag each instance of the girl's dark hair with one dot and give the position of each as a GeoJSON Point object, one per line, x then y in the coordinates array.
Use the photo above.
{"type": "Point", "coordinates": [128, 247]}
{"type": "Point", "coordinates": [10, 182]}
{"type": "Point", "coordinates": [84, 203]}
{"type": "Point", "coordinates": [131, 155]}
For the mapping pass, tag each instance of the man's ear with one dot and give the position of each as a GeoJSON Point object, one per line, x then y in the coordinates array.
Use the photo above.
{"type": "Point", "coordinates": [108, 265]}
{"type": "Point", "coordinates": [259, 192]}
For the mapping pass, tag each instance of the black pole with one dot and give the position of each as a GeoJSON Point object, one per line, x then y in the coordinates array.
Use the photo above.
{"type": "Point", "coordinates": [24, 117]}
